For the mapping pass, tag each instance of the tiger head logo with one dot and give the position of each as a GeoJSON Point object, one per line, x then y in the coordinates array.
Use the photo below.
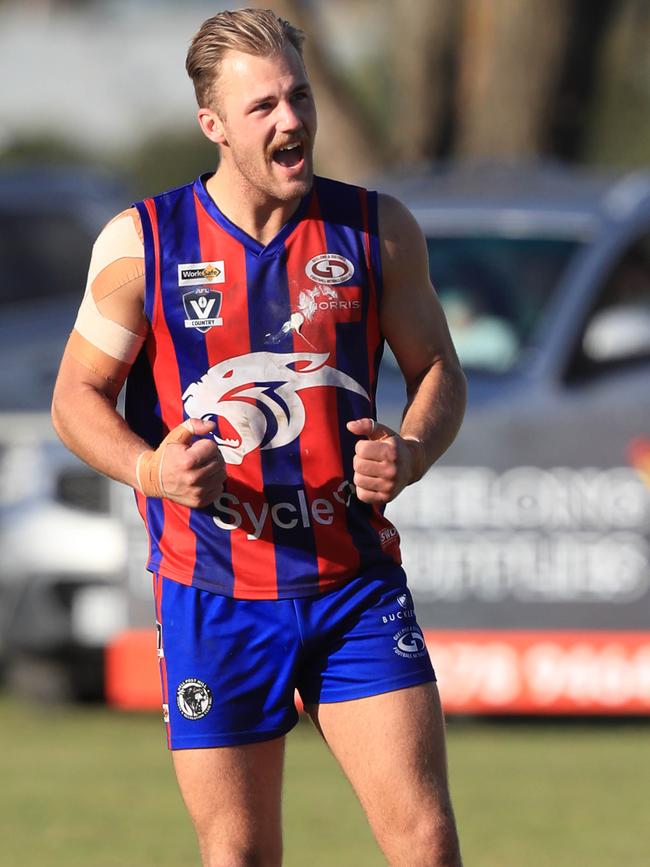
{"type": "Point", "coordinates": [254, 398]}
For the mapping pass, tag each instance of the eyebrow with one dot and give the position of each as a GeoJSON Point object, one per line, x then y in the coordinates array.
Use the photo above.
{"type": "Point", "coordinates": [301, 85]}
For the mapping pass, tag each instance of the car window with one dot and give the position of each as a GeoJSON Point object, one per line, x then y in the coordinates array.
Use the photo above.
{"type": "Point", "coordinates": [42, 255]}
{"type": "Point", "coordinates": [494, 291]}
{"type": "Point", "coordinates": [617, 329]}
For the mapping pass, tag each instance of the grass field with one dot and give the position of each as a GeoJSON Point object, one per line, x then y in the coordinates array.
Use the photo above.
{"type": "Point", "coordinates": [91, 787]}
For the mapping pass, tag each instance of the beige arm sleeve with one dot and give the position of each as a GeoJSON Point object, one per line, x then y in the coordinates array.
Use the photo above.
{"type": "Point", "coordinates": [111, 327]}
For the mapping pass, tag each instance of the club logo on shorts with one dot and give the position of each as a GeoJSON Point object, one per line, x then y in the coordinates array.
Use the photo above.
{"type": "Point", "coordinates": [404, 600]}
{"type": "Point", "coordinates": [329, 268]}
{"type": "Point", "coordinates": [193, 698]}
{"type": "Point", "coordinates": [410, 643]}
{"type": "Point", "coordinates": [200, 273]}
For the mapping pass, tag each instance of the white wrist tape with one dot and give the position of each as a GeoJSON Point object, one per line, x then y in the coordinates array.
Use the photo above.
{"type": "Point", "coordinates": [149, 465]}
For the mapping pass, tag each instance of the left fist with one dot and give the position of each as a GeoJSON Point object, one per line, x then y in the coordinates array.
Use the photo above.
{"type": "Point", "coordinates": [384, 463]}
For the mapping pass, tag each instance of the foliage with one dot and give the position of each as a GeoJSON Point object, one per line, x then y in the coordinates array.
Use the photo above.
{"type": "Point", "coordinates": [169, 160]}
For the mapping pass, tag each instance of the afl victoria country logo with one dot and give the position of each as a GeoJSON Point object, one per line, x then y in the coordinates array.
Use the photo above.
{"type": "Point", "coordinates": [329, 268]}
{"type": "Point", "coordinates": [193, 698]}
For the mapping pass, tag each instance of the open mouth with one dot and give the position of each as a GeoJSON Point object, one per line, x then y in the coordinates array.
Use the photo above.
{"type": "Point", "coordinates": [289, 156]}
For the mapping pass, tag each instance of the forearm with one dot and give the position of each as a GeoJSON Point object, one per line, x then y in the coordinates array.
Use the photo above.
{"type": "Point", "coordinates": [433, 414]}
{"type": "Point", "coordinates": [89, 425]}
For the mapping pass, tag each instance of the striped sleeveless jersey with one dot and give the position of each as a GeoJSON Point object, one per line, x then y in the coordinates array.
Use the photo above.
{"type": "Point", "coordinates": [280, 346]}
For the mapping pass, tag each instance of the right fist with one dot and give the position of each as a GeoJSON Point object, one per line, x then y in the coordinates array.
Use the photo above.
{"type": "Point", "coordinates": [181, 469]}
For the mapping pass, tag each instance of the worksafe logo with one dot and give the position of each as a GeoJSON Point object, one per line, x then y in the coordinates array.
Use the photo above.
{"type": "Point", "coordinates": [202, 307]}
{"type": "Point", "coordinates": [201, 273]}
{"type": "Point", "coordinates": [193, 698]}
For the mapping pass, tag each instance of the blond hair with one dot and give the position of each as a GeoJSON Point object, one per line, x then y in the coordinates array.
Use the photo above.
{"type": "Point", "coordinates": [254, 31]}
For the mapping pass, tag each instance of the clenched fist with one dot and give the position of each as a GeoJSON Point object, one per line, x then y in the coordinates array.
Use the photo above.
{"type": "Point", "coordinates": [188, 471]}
{"type": "Point", "coordinates": [384, 463]}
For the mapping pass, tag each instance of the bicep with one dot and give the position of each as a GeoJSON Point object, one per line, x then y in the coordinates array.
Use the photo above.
{"type": "Point", "coordinates": [111, 326]}
{"type": "Point", "coordinates": [412, 318]}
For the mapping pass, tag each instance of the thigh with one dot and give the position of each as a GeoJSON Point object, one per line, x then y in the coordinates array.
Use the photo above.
{"type": "Point", "coordinates": [233, 795]}
{"type": "Point", "coordinates": [392, 749]}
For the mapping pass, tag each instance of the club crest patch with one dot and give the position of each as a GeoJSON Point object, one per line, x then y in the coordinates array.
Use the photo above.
{"type": "Point", "coordinates": [194, 698]}
{"type": "Point", "coordinates": [202, 308]}
{"type": "Point", "coordinates": [329, 268]}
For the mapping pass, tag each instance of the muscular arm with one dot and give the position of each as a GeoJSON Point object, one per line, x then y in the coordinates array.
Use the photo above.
{"type": "Point", "coordinates": [108, 334]}
{"type": "Point", "coordinates": [415, 328]}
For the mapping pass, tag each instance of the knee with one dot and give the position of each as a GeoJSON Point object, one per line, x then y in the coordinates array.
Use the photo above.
{"type": "Point", "coordinates": [232, 854]}
{"type": "Point", "coordinates": [433, 839]}
{"type": "Point", "coordinates": [428, 837]}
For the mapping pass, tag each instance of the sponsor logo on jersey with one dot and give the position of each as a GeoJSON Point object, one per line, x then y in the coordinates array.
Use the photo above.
{"type": "Point", "coordinates": [193, 698]}
{"type": "Point", "coordinates": [201, 273]}
{"type": "Point", "coordinates": [254, 399]}
{"type": "Point", "coordinates": [409, 643]}
{"type": "Point", "coordinates": [233, 513]}
{"type": "Point", "coordinates": [387, 536]}
{"type": "Point", "coordinates": [314, 303]}
{"type": "Point", "coordinates": [329, 268]}
{"type": "Point", "coordinates": [202, 307]}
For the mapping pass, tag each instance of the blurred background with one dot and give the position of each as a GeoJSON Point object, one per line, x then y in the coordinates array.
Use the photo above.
{"type": "Point", "coordinates": [519, 135]}
{"type": "Point", "coordinates": [399, 83]}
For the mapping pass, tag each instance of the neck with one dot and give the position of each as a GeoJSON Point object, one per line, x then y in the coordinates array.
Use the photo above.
{"type": "Point", "coordinates": [253, 211]}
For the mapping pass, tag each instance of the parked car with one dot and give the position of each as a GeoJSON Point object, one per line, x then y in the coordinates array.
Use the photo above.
{"type": "Point", "coordinates": [62, 554]}
{"type": "Point", "coordinates": [532, 535]}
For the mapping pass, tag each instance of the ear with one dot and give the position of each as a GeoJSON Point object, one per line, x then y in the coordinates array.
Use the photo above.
{"type": "Point", "coordinates": [211, 125]}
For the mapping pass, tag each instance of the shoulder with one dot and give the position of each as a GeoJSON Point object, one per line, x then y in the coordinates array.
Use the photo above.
{"type": "Point", "coordinates": [325, 186]}
{"type": "Point", "coordinates": [401, 237]}
{"type": "Point", "coordinates": [395, 218]}
{"type": "Point", "coordinates": [118, 256]}
{"type": "Point", "coordinates": [121, 237]}
{"type": "Point", "coordinates": [341, 201]}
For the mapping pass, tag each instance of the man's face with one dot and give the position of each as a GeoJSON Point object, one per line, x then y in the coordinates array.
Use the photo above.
{"type": "Point", "coordinates": [268, 121]}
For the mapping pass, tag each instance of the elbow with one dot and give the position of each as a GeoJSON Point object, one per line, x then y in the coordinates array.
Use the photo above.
{"type": "Point", "coordinates": [56, 415]}
{"type": "Point", "coordinates": [457, 390]}
{"type": "Point", "coordinates": [62, 412]}
{"type": "Point", "coordinates": [461, 387]}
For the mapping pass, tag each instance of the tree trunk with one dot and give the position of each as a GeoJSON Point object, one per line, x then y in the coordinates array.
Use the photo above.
{"type": "Point", "coordinates": [578, 81]}
{"type": "Point", "coordinates": [424, 57]}
{"type": "Point", "coordinates": [347, 147]}
{"type": "Point", "coordinates": [512, 56]}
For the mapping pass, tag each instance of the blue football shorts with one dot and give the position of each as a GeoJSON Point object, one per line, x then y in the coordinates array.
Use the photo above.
{"type": "Point", "coordinates": [230, 667]}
